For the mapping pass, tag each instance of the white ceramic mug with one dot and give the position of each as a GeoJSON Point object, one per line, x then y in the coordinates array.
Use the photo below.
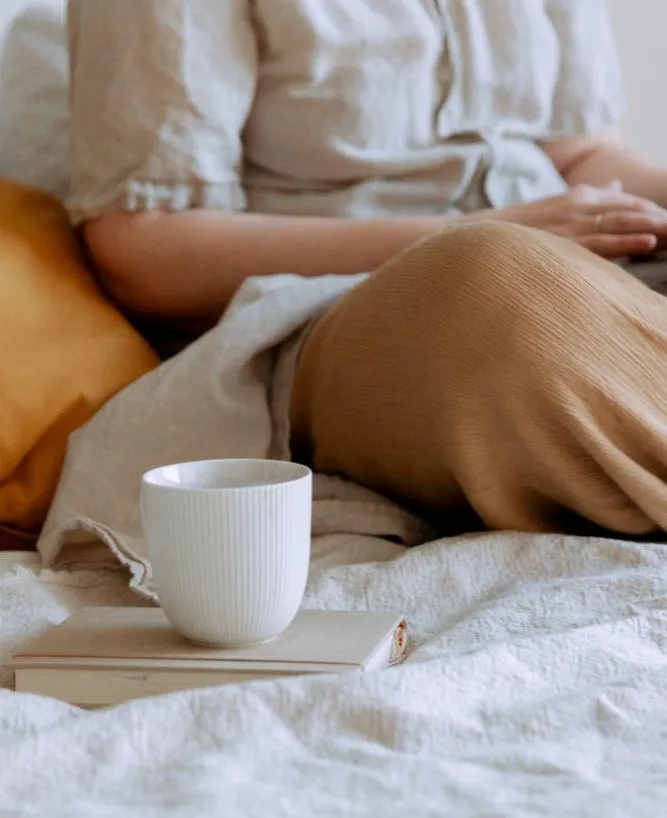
{"type": "Point", "coordinates": [229, 544]}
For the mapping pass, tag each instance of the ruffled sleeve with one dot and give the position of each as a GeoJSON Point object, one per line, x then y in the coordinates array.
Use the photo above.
{"type": "Point", "coordinates": [589, 92]}
{"type": "Point", "coordinates": [160, 93]}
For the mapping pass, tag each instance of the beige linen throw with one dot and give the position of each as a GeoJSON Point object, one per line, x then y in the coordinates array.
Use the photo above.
{"type": "Point", "coordinates": [225, 396]}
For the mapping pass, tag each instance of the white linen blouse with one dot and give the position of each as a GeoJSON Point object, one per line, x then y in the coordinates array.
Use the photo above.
{"type": "Point", "coordinates": [354, 108]}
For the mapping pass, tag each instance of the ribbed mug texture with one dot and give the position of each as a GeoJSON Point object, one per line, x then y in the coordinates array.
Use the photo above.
{"type": "Point", "coordinates": [230, 564]}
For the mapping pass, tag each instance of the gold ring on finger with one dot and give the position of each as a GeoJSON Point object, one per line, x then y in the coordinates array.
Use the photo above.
{"type": "Point", "coordinates": [599, 220]}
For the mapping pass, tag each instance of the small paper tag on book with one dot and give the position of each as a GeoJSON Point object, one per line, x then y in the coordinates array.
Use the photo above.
{"type": "Point", "coordinates": [400, 645]}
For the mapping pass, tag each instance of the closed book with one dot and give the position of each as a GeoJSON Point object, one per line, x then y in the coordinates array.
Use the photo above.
{"type": "Point", "coordinates": [105, 656]}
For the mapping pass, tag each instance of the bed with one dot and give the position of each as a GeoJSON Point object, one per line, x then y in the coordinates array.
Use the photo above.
{"type": "Point", "coordinates": [537, 684]}
{"type": "Point", "coordinates": [537, 687]}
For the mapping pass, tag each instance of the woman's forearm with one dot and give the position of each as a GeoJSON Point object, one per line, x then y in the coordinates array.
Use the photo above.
{"type": "Point", "coordinates": [602, 158]}
{"type": "Point", "coordinates": [637, 175]}
{"type": "Point", "coordinates": [190, 264]}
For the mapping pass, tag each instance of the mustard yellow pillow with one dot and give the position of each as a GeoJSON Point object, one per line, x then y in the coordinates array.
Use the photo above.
{"type": "Point", "coordinates": [64, 351]}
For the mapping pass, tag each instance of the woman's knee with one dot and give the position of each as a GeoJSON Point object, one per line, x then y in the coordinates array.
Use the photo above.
{"type": "Point", "coordinates": [500, 293]}
{"type": "Point", "coordinates": [497, 271]}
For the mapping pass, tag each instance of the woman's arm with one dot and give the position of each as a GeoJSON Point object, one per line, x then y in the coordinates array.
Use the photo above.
{"type": "Point", "coordinates": [190, 264]}
{"type": "Point", "coordinates": [605, 157]}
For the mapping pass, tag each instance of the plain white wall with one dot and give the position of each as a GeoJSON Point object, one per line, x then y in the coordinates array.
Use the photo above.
{"type": "Point", "coordinates": [641, 28]}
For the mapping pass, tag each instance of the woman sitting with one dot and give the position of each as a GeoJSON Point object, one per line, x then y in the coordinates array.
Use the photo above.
{"type": "Point", "coordinates": [486, 370]}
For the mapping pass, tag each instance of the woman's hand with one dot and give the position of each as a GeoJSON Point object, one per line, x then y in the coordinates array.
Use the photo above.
{"type": "Point", "coordinates": [606, 220]}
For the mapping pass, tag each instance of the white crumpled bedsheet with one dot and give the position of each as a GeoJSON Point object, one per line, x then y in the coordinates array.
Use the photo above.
{"type": "Point", "coordinates": [538, 686]}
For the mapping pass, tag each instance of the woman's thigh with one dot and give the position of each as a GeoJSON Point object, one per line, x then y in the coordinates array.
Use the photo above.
{"type": "Point", "coordinates": [477, 369]}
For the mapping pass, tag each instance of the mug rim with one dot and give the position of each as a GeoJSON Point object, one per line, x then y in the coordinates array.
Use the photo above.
{"type": "Point", "coordinates": [151, 479]}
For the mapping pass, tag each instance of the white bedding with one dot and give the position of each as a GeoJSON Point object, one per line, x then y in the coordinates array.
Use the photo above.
{"type": "Point", "coordinates": [34, 119]}
{"type": "Point", "coordinates": [538, 687]}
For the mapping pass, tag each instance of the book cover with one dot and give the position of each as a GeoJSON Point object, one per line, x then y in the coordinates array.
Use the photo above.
{"type": "Point", "coordinates": [107, 655]}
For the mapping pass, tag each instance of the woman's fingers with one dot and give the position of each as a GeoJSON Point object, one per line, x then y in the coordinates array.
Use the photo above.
{"type": "Point", "coordinates": [621, 201]}
{"type": "Point", "coordinates": [611, 246]}
{"type": "Point", "coordinates": [612, 197]}
{"type": "Point", "coordinates": [625, 222]}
